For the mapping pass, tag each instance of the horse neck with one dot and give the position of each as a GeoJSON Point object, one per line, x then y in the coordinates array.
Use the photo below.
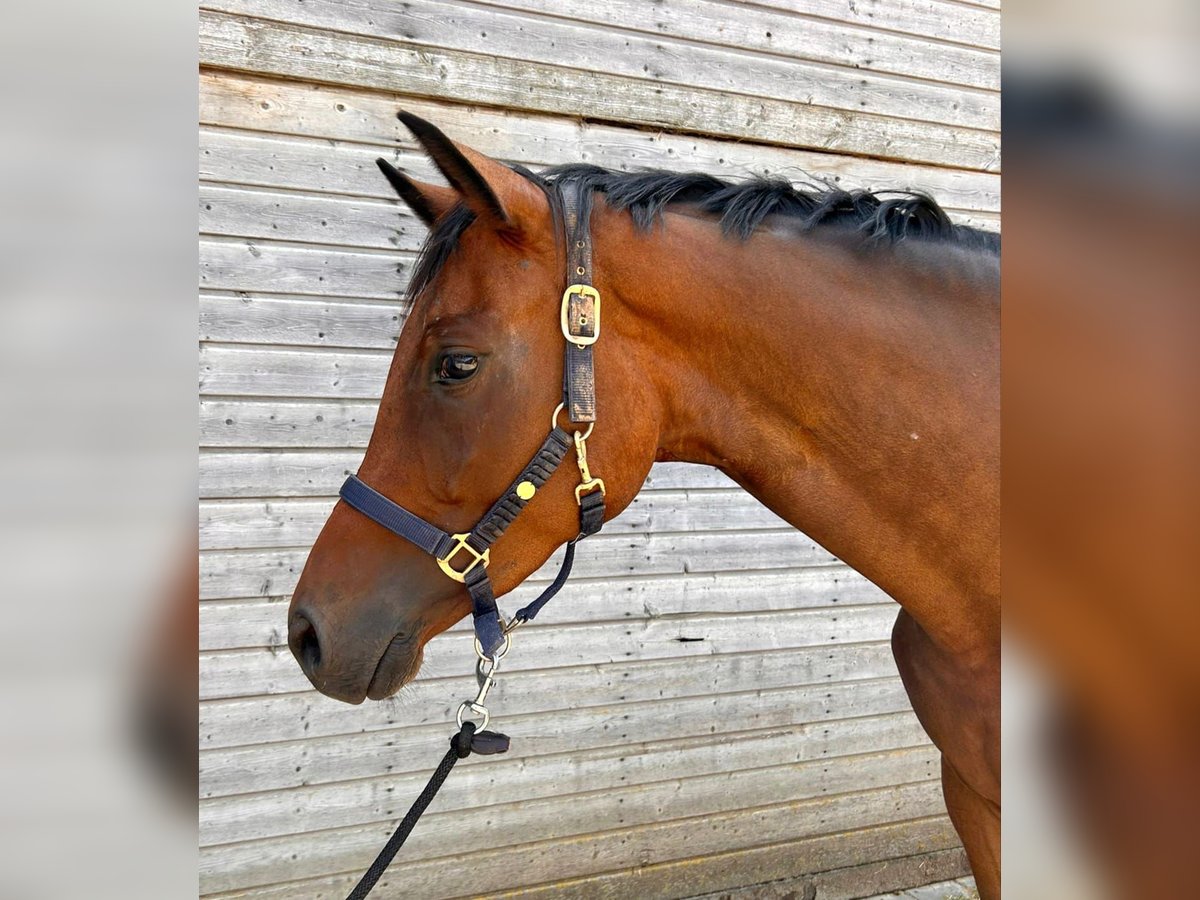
{"type": "Point", "coordinates": [854, 392]}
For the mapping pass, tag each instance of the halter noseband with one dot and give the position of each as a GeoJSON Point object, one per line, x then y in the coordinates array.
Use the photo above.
{"type": "Point", "coordinates": [465, 557]}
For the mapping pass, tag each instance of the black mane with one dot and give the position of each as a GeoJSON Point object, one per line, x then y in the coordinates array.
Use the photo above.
{"type": "Point", "coordinates": [878, 218]}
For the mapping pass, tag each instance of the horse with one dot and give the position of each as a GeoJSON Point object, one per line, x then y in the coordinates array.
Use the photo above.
{"type": "Point", "coordinates": [835, 353]}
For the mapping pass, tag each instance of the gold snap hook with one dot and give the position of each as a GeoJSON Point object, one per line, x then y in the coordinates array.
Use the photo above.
{"type": "Point", "coordinates": [587, 483]}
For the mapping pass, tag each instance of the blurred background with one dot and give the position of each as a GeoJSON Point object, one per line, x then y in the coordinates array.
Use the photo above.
{"type": "Point", "coordinates": [97, 470]}
{"type": "Point", "coordinates": [1101, 381]}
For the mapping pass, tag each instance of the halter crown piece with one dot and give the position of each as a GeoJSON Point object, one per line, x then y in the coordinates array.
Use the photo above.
{"type": "Point", "coordinates": [465, 557]}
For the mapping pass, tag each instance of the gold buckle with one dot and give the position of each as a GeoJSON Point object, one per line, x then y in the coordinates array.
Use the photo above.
{"type": "Point", "coordinates": [580, 311]}
{"type": "Point", "coordinates": [460, 543]}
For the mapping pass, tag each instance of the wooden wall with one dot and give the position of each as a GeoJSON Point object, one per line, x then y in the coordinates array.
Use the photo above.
{"type": "Point", "coordinates": [777, 742]}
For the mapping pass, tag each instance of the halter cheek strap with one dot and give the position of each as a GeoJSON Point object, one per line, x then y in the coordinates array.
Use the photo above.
{"type": "Point", "coordinates": [580, 315]}
{"type": "Point", "coordinates": [464, 557]}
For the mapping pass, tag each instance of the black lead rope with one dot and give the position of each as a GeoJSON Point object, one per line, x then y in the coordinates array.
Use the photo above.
{"type": "Point", "coordinates": [462, 745]}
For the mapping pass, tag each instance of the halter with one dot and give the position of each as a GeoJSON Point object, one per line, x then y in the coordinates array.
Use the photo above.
{"type": "Point", "coordinates": [464, 557]}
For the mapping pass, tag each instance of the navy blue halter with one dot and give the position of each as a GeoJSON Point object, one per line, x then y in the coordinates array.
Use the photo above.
{"type": "Point", "coordinates": [465, 557]}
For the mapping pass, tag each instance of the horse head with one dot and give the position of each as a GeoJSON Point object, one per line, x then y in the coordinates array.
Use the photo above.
{"type": "Point", "coordinates": [473, 387]}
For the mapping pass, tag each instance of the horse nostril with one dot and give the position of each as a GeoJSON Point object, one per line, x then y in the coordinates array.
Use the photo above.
{"type": "Point", "coordinates": [305, 644]}
{"type": "Point", "coordinates": [310, 649]}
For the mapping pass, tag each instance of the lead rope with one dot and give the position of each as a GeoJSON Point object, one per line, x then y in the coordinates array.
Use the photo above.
{"type": "Point", "coordinates": [471, 738]}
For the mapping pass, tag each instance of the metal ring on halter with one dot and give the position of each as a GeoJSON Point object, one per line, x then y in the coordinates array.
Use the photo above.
{"type": "Point", "coordinates": [499, 654]}
{"type": "Point", "coordinates": [554, 421]}
{"type": "Point", "coordinates": [475, 708]}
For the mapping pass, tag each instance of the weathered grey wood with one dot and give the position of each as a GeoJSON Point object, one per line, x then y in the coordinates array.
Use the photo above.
{"type": "Point", "coordinates": [844, 693]}
{"type": "Point", "coordinates": [274, 573]}
{"type": "Point", "coordinates": [327, 139]}
{"type": "Point", "coordinates": [349, 374]}
{"type": "Point", "coordinates": [484, 870]}
{"type": "Point", "coordinates": [289, 216]}
{"type": "Point", "coordinates": [300, 321]}
{"type": "Point", "coordinates": [245, 265]}
{"type": "Point", "coordinates": [894, 844]}
{"type": "Point", "coordinates": [693, 787]}
{"type": "Point", "coordinates": [913, 871]}
{"type": "Point", "coordinates": [402, 748]}
{"type": "Point", "coordinates": [800, 36]}
{"type": "Point", "coordinates": [251, 145]}
{"type": "Point", "coordinates": [291, 764]}
{"type": "Point", "coordinates": [272, 670]}
{"type": "Point", "coordinates": [351, 801]}
{"type": "Point", "coordinates": [245, 624]}
{"type": "Point", "coordinates": [291, 423]}
{"type": "Point", "coordinates": [955, 22]}
{"type": "Point", "coordinates": [319, 473]}
{"type": "Point", "coordinates": [239, 44]}
{"type": "Point", "coordinates": [659, 59]}
{"type": "Point", "coordinates": [275, 473]}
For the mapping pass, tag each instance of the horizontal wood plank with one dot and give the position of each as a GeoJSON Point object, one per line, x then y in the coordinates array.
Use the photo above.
{"type": "Point", "coordinates": [303, 218]}
{"type": "Point", "coordinates": [702, 783]}
{"type": "Point", "coordinates": [307, 423]}
{"type": "Point", "coordinates": [484, 870]}
{"type": "Point", "coordinates": [944, 20]}
{"type": "Point", "coordinates": [293, 372]}
{"type": "Point", "coordinates": [853, 83]}
{"type": "Point", "coordinates": [269, 267]}
{"type": "Point", "coordinates": [683, 877]}
{"type": "Point", "coordinates": [288, 51]}
{"type": "Point", "coordinates": [294, 764]}
{"type": "Point", "coordinates": [326, 139]}
{"type": "Point", "coordinates": [802, 34]}
{"type": "Point", "coordinates": [238, 317]}
{"type": "Point", "coordinates": [824, 686]}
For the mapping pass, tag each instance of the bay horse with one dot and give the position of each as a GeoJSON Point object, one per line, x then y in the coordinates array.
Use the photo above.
{"type": "Point", "coordinates": [834, 353]}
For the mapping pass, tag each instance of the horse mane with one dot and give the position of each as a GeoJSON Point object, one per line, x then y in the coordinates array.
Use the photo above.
{"type": "Point", "coordinates": [885, 217]}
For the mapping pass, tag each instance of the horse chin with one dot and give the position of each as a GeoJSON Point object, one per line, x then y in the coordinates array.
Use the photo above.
{"type": "Point", "coordinates": [399, 664]}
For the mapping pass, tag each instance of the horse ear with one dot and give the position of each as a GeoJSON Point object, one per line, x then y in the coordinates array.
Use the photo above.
{"type": "Point", "coordinates": [428, 201]}
{"type": "Point", "coordinates": [494, 192]}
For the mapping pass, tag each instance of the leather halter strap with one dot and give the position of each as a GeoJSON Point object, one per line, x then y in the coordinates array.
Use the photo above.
{"type": "Point", "coordinates": [464, 557]}
{"type": "Point", "coordinates": [581, 307]}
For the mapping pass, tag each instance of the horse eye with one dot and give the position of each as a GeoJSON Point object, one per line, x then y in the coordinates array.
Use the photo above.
{"type": "Point", "coordinates": [456, 366]}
